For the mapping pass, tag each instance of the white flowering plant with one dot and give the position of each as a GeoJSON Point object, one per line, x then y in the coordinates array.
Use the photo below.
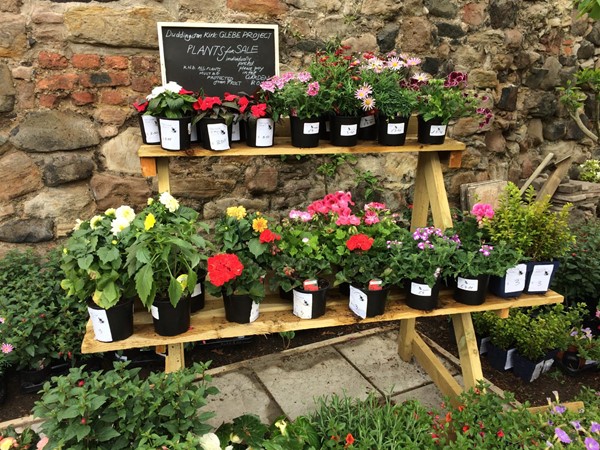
{"type": "Point", "coordinates": [170, 100]}
{"type": "Point", "coordinates": [93, 258]}
{"type": "Point", "coordinates": [165, 250]}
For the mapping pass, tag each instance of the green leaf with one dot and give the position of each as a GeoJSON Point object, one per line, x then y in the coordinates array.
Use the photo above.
{"type": "Point", "coordinates": [85, 262]}
{"type": "Point", "coordinates": [144, 281]}
{"type": "Point", "coordinates": [175, 291]}
{"type": "Point", "coordinates": [108, 254]}
{"type": "Point", "coordinates": [255, 247]}
{"type": "Point", "coordinates": [106, 434]}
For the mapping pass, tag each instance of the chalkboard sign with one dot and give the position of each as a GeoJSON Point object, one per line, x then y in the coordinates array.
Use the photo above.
{"type": "Point", "coordinates": [217, 58]}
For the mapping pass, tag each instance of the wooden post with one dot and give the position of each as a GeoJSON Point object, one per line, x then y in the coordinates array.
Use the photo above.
{"type": "Point", "coordinates": [405, 339]}
{"type": "Point", "coordinates": [148, 166]}
{"type": "Point", "coordinates": [175, 358]}
{"type": "Point", "coordinates": [420, 209]}
{"type": "Point", "coordinates": [467, 349]}
{"type": "Point", "coordinates": [440, 209]}
{"type": "Point", "coordinates": [162, 166]}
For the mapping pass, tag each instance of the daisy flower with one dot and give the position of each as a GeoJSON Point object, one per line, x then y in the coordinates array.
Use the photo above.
{"type": "Point", "coordinates": [368, 103]}
{"type": "Point", "coordinates": [363, 92]}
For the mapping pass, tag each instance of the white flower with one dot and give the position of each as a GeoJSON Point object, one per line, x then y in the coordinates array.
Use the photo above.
{"type": "Point", "coordinates": [150, 201]}
{"type": "Point", "coordinates": [169, 201]}
{"type": "Point", "coordinates": [95, 221]}
{"type": "Point", "coordinates": [125, 212]}
{"type": "Point", "coordinates": [110, 212]}
{"type": "Point", "coordinates": [209, 441]}
{"type": "Point", "coordinates": [78, 223]}
{"type": "Point", "coordinates": [118, 225]}
{"type": "Point", "coordinates": [235, 438]}
{"type": "Point", "coordinates": [305, 240]}
{"type": "Point", "coordinates": [281, 424]}
{"type": "Point", "coordinates": [173, 87]}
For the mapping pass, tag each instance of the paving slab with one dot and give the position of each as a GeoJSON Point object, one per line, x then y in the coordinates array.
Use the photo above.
{"type": "Point", "coordinates": [295, 381]}
{"type": "Point", "coordinates": [428, 395]}
{"type": "Point", "coordinates": [376, 357]}
{"type": "Point", "coordinates": [240, 392]}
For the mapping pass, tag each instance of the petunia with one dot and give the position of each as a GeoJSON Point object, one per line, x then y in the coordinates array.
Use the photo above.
{"type": "Point", "coordinates": [591, 444]}
{"type": "Point", "coordinates": [562, 436]}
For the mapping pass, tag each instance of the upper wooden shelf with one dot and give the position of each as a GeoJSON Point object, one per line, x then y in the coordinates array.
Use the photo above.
{"type": "Point", "coordinates": [284, 147]}
{"type": "Point", "coordinates": [276, 316]}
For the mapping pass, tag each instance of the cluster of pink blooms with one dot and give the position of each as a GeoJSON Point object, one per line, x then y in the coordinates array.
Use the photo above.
{"type": "Point", "coordinates": [278, 82]}
{"type": "Point", "coordinates": [482, 211]}
{"type": "Point", "coordinates": [424, 235]}
{"type": "Point", "coordinates": [486, 250]}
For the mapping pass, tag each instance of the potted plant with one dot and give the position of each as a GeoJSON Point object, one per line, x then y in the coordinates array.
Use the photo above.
{"type": "Point", "coordinates": [392, 98]}
{"type": "Point", "coordinates": [148, 123]}
{"type": "Point", "coordinates": [163, 260]}
{"type": "Point", "coordinates": [173, 106]}
{"type": "Point", "coordinates": [215, 117]}
{"type": "Point", "coordinates": [533, 229]}
{"type": "Point", "coordinates": [424, 260]}
{"type": "Point", "coordinates": [300, 96]}
{"type": "Point", "coordinates": [581, 351]}
{"type": "Point", "coordinates": [440, 100]}
{"type": "Point", "coordinates": [501, 348]}
{"type": "Point", "coordinates": [94, 266]}
{"type": "Point", "coordinates": [257, 116]}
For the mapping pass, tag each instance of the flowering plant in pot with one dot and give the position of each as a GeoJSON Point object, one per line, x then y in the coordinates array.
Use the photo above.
{"type": "Point", "coordinates": [148, 123]}
{"type": "Point", "coordinates": [214, 118]}
{"type": "Point", "coordinates": [163, 260]}
{"type": "Point", "coordinates": [257, 114]}
{"type": "Point", "coordinates": [581, 349]}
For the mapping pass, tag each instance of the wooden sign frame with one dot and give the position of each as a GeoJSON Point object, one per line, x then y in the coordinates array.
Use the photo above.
{"type": "Point", "coordinates": [221, 56]}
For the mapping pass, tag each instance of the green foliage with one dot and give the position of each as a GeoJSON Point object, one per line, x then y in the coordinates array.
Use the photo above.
{"type": "Point", "coordinates": [483, 322]}
{"type": "Point", "coordinates": [118, 410]}
{"type": "Point", "coordinates": [40, 321]}
{"type": "Point", "coordinates": [297, 95]}
{"type": "Point", "coordinates": [589, 7]}
{"type": "Point", "coordinates": [287, 337]}
{"type": "Point", "coordinates": [590, 171]}
{"type": "Point", "coordinates": [330, 167]}
{"type": "Point", "coordinates": [530, 226]}
{"type": "Point", "coordinates": [437, 101]}
{"type": "Point", "coordinates": [166, 101]}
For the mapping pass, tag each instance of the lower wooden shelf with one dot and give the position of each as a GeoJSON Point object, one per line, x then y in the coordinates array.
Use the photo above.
{"type": "Point", "coordinates": [276, 316]}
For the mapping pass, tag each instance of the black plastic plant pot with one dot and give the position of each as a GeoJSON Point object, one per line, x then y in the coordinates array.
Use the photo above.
{"type": "Point", "coordinates": [305, 132]}
{"type": "Point", "coordinates": [32, 380]}
{"type": "Point", "coordinates": [431, 132]}
{"type": "Point", "coordinates": [526, 369]}
{"type": "Point", "coordinates": [169, 320]}
{"type": "Point", "coordinates": [113, 324]}
{"type": "Point", "coordinates": [344, 288]}
{"type": "Point", "coordinates": [392, 131]}
{"type": "Point", "coordinates": [344, 130]}
{"type": "Point", "coordinates": [260, 132]}
{"type": "Point", "coordinates": [311, 304]}
{"type": "Point", "coordinates": [149, 129]}
{"type": "Point", "coordinates": [540, 276]}
{"type": "Point", "coordinates": [500, 359]}
{"type": "Point", "coordinates": [471, 291]}
{"type": "Point", "coordinates": [367, 128]}
{"type": "Point", "coordinates": [511, 285]}
{"type": "Point", "coordinates": [286, 295]}
{"type": "Point", "coordinates": [214, 134]}
{"type": "Point", "coordinates": [375, 300]}
{"type": "Point", "coordinates": [175, 134]}
{"type": "Point", "coordinates": [197, 298]}
{"type": "Point", "coordinates": [420, 296]}
{"type": "Point", "coordinates": [240, 308]}
{"type": "Point", "coordinates": [325, 127]}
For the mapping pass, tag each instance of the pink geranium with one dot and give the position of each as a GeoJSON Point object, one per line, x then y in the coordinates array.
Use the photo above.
{"type": "Point", "coordinates": [482, 211]}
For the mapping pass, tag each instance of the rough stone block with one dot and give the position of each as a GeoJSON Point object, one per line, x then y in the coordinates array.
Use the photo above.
{"type": "Point", "coordinates": [113, 97]}
{"type": "Point", "coordinates": [64, 168]}
{"type": "Point", "coordinates": [66, 202]}
{"type": "Point", "coordinates": [484, 191]}
{"type": "Point", "coordinates": [495, 141]}
{"type": "Point", "coordinates": [11, 5]}
{"type": "Point", "coordinates": [473, 14]}
{"type": "Point", "coordinates": [441, 8]}
{"type": "Point", "coordinates": [104, 79]}
{"type": "Point", "coordinates": [19, 175]}
{"type": "Point", "coordinates": [81, 98]}
{"type": "Point", "coordinates": [13, 38]}
{"type": "Point", "coordinates": [111, 115]}
{"type": "Point", "coordinates": [261, 180]}
{"type": "Point", "coordinates": [263, 7]}
{"type": "Point", "coordinates": [48, 100]}
{"type": "Point", "coordinates": [379, 7]}
{"type": "Point", "coordinates": [508, 98]}
{"type": "Point", "coordinates": [450, 30]}
{"type": "Point", "coordinates": [47, 131]}
{"type": "Point", "coordinates": [503, 13]}
{"type": "Point", "coordinates": [62, 82]}
{"type": "Point", "coordinates": [7, 89]}
{"type": "Point", "coordinates": [554, 129]}
{"type": "Point", "coordinates": [415, 35]}
{"type": "Point", "coordinates": [120, 153]}
{"type": "Point", "coordinates": [386, 38]}
{"type": "Point", "coordinates": [27, 230]}
{"type": "Point", "coordinates": [22, 73]}
{"type": "Point", "coordinates": [111, 191]}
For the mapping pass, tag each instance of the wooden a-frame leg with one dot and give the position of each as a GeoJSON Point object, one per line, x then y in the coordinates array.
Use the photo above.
{"type": "Point", "coordinates": [405, 339]}
{"type": "Point", "coordinates": [429, 163]}
{"type": "Point", "coordinates": [175, 359]}
{"type": "Point", "coordinates": [467, 349]}
{"type": "Point", "coordinates": [420, 209]}
{"type": "Point", "coordinates": [162, 168]}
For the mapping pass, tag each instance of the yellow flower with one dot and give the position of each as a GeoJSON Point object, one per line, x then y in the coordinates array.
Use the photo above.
{"type": "Point", "coordinates": [149, 221]}
{"type": "Point", "coordinates": [260, 224]}
{"type": "Point", "coordinates": [113, 242]}
{"type": "Point", "coordinates": [110, 212]}
{"type": "Point", "coordinates": [95, 221]}
{"type": "Point", "coordinates": [183, 280]}
{"type": "Point", "coordinates": [150, 201]}
{"type": "Point", "coordinates": [7, 443]}
{"type": "Point", "coordinates": [238, 212]}
{"type": "Point", "coordinates": [65, 251]}
{"type": "Point", "coordinates": [96, 297]}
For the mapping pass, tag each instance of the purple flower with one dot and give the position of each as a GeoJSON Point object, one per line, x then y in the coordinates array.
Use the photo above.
{"type": "Point", "coordinates": [559, 409]}
{"type": "Point", "coordinates": [576, 424]}
{"type": "Point", "coordinates": [591, 444]}
{"type": "Point", "coordinates": [595, 428]}
{"type": "Point", "coordinates": [562, 436]}
{"type": "Point", "coordinates": [304, 76]}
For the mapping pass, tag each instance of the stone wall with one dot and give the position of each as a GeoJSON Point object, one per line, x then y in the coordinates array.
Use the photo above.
{"type": "Point", "coordinates": [69, 72]}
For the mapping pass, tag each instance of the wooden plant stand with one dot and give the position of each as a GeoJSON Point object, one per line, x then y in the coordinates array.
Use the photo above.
{"type": "Point", "coordinates": [276, 315]}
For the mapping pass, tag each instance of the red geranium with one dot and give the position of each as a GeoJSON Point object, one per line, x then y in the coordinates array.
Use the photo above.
{"type": "Point", "coordinates": [359, 241]}
{"type": "Point", "coordinates": [349, 440]}
{"type": "Point", "coordinates": [259, 110]}
{"type": "Point", "coordinates": [243, 103]}
{"type": "Point", "coordinates": [268, 236]}
{"type": "Point", "coordinates": [224, 267]}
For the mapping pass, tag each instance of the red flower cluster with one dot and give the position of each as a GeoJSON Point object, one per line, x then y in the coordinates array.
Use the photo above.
{"type": "Point", "coordinates": [259, 110]}
{"type": "Point", "coordinates": [268, 236]}
{"type": "Point", "coordinates": [183, 91]}
{"type": "Point", "coordinates": [224, 267]}
{"type": "Point", "coordinates": [141, 107]}
{"type": "Point", "coordinates": [359, 241]}
{"type": "Point", "coordinates": [243, 103]}
{"type": "Point", "coordinates": [206, 103]}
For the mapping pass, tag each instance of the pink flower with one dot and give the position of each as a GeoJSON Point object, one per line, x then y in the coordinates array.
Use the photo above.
{"type": "Point", "coordinates": [375, 206]}
{"type": "Point", "coordinates": [318, 207]}
{"type": "Point", "coordinates": [313, 89]}
{"type": "Point", "coordinates": [371, 218]}
{"type": "Point", "coordinates": [482, 210]}
{"type": "Point", "coordinates": [304, 76]}
{"type": "Point", "coordinates": [42, 443]}
{"type": "Point", "coordinates": [348, 220]}
{"type": "Point", "coordinates": [6, 348]}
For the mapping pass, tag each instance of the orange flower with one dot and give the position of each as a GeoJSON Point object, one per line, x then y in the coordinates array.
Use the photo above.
{"type": "Point", "coordinates": [349, 440]}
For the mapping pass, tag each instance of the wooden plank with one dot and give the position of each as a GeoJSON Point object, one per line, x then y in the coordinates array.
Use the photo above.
{"type": "Point", "coordinates": [442, 378]}
{"type": "Point", "coordinates": [537, 171]}
{"type": "Point", "coordinates": [549, 187]}
{"type": "Point", "coordinates": [148, 166]}
{"type": "Point", "coordinates": [22, 422]}
{"type": "Point", "coordinates": [406, 336]}
{"type": "Point", "coordinates": [276, 316]}
{"type": "Point", "coordinates": [571, 406]}
{"type": "Point", "coordinates": [467, 349]}
{"type": "Point", "coordinates": [503, 313]}
{"type": "Point", "coordinates": [420, 210]}
{"type": "Point", "coordinates": [438, 200]}
{"type": "Point", "coordinates": [284, 147]}
{"type": "Point", "coordinates": [175, 359]}
{"type": "Point", "coordinates": [162, 166]}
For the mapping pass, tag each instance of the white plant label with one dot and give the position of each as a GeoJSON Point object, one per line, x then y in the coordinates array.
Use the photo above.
{"type": "Point", "coordinates": [154, 312]}
{"type": "Point", "coordinates": [367, 121]}
{"type": "Point", "coordinates": [100, 324]}
{"type": "Point", "coordinates": [548, 365]}
{"type": "Point", "coordinates": [484, 345]}
{"type": "Point", "coordinates": [539, 367]}
{"type": "Point", "coordinates": [193, 133]}
{"type": "Point", "coordinates": [395, 128]}
{"type": "Point", "coordinates": [422, 290]}
{"type": "Point", "coordinates": [151, 129]}
{"type": "Point", "coordinates": [302, 305]}
{"type": "Point", "coordinates": [311, 128]}
{"type": "Point", "coordinates": [169, 134]}
{"type": "Point", "coordinates": [515, 278]}
{"type": "Point", "coordinates": [510, 357]}
{"type": "Point", "coordinates": [235, 131]}
{"type": "Point", "coordinates": [437, 130]}
{"type": "Point", "coordinates": [264, 132]}
{"type": "Point", "coordinates": [540, 277]}
{"type": "Point", "coordinates": [348, 130]}
{"type": "Point", "coordinates": [467, 284]}
{"type": "Point", "coordinates": [197, 290]}
{"type": "Point", "coordinates": [327, 126]}
{"type": "Point", "coordinates": [217, 136]}
{"type": "Point", "coordinates": [254, 312]}
{"type": "Point", "coordinates": [358, 302]}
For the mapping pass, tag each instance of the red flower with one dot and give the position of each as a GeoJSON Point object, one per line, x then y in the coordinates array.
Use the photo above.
{"type": "Point", "coordinates": [224, 267]}
{"type": "Point", "coordinates": [243, 103]}
{"type": "Point", "coordinates": [500, 434]}
{"type": "Point", "coordinates": [268, 236]}
{"type": "Point", "coordinates": [206, 103]}
{"type": "Point", "coordinates": [80, 383]}
{"type": "Point", "coordinates": [359, 241]}
{"type": "Point", "coordinates": [141, 107]}
{"type": "Point", "coordinates": [465, 428]}
{"type": "Point", "coordinates": [349, 439]}
{"type": "Point", "coordinates": [230, 97]}
{"type": "Point", "coordinates": [183, 91]}
{"type": "Point", "coordinates": [259, 110]}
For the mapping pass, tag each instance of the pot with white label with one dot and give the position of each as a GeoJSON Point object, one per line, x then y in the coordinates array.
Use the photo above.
{"type": "Point", "coordinates": [149, 129]}
{"type": "Point", "coordinates": [113, 324]}
{"type": "Point", "coordinates": [512, 284]}
{"type": "Point", "coordinates": [367, 128]}
{"type": "Point", "coordinates": [432, 131]}
{"type": "Point", "coordinates": [344, 130]}
{"type": "Point", "coordinates": [391, 131]}
{"type": "Point", "coordinates": [305, 132]}
{"type": "Point", "coordinates": [419, 295]}
{"type": "Point", "coordinates": [214, 134]}
{"type": "Point", "coordinates": [260, 132]}
{"type": "Point", "coordinates": [539, 276]}
{"type": "Point", "coordinates": [471, 290]}
{"type": "Point", "coordinates": [175, 134]}
{"type": "Point", "coordinates": [311, 304]}
{"type": "Point", "coordinates": [240, 308]}
{"type": "Point", "coordinates": [197, 296]}
{"type": "Point", "coordinates": [366, 302]}
{"type": "Point", "coordinates": [170, 320]}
